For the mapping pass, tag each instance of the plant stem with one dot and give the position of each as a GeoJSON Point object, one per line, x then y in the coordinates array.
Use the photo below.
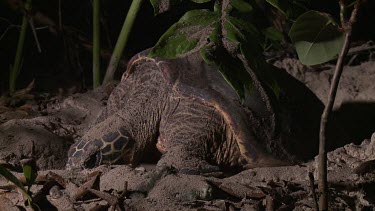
{"type": "Point", "coordinates": [342, 12]}
{"type": "Point", "coordinates": [18, 58]}
{"type": "Point", "coordinates": [323, 184]}
{"type": "Point", "coordinates": [31, 22]}
{"type": "Point", "coordinates": [122, 40]}
{"type": "Point", "coordinates": [96, 44]}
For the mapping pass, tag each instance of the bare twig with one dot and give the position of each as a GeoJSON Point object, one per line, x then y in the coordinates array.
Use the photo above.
{"type": "Point", "coordinates": [5, 31]}
{"type": "Point", "coordinates": [125, 191]}
{"type": "Point", "coordinates": [59, 179]}
{"type": "Point", "coordinates": [32, 26]}
{"type": "Point", "coordinates": [365, 47]}
{"type": "Point", "coordinates": [312, 189]}
{"type": "Point", "coordinates": [350, 62]}
{"type": "Point", "coordinates": [112, 200]}
{"type": "Point", "coordinates": [322, 183]}
{"type": "Point", "coordinates": [82, 190]}
{"type": "Point", "coordinates": [5, 20]}
{"type": "Point", "coordinates": [270, 206]}
{"type": "Point", "coordinates": [10, 25]}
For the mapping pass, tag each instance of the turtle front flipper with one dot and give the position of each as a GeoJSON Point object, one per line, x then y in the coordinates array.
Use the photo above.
{"type": "Point", "coordinates": [187, 159]}
{"type": "Point", "coordinates": [193, 138]}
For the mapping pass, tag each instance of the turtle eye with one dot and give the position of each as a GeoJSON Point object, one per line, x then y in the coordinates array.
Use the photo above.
{"type": "Point", "coordinates": [93, 160]}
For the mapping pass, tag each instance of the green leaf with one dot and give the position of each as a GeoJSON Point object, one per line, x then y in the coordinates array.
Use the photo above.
{"type": "Point", "coordinates": [316, 37]}
{"type": "Point", "coordinates": [211, 33]}
{"type": "Point", "coordinates": [235, 74]}
{"type": "Point", "coordinates": [276, 89]}
{"type": "Point", "coordinates": [273, 34]}
{"type": "Point", "coordinates": [190, 32]}
{"type": "Point", "coordinates": [238, 30]}
{"type": "Point", "coordinates": [242, 6]}
{"type": "Point", "coordinates": [9, 176]}
{"type": "Point", "coordinates": [261, 69]}
{"type": "Point", "coordinates": [290, 8]}
{"type": "Point", "coordinates": [199, 17]}
{"type": "Point", "coordinates": [241, 32]}
{"type": "Point", "coordinates": [29, 174]}
{"type": "Point", "coordinates": [207, 55]}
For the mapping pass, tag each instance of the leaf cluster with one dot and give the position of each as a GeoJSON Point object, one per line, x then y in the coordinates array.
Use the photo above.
{"type": "Point", "coordinates": [30, 176]}
{"type": "Point", "coordinates": [316, 35]}
{"type": "Point", "coordinates": [224, 37]}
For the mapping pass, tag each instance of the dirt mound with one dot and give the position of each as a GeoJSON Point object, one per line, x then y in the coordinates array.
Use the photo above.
{"type": "Point", "coordinates": [356, 83]}
{"type": "Point", "coordinates": [355, 99]}
{"type": "Point", "coordinates": [351, 179]}
{"type": "Point", "coordinates": [46, 134]}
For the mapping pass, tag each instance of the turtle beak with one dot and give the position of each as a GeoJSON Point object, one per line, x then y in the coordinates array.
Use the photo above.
{"type": "Point", "coordinates": [93, 160]}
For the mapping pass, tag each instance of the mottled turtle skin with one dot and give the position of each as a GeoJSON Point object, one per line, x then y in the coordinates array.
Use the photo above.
{"type": "Point", "coordinates": [186, 110]}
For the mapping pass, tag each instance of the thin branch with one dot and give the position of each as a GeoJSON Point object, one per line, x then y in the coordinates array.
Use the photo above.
{"type": "Point", "coordinates": [359, 49]}
{"type": "Point", "coordinates": [11, 25]}
{"type": "Point", "coordinates": [323, 186]}
{"type": "Point", "coordinates": [342, 12]}
{"type": "Point", "coordinates": [41, 27]}
{"type": "Point", "coordinates": [6, 30]}
{"type": "Point", "coordinates": [6, 20]}
{"type": "Point", "coordinates": [32, 26]}
{"type": "Point", "coordinates": [312, 189]}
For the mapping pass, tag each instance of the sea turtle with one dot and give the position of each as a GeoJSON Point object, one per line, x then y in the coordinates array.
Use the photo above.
{"type": "Point", "coordinates": [186, 110]}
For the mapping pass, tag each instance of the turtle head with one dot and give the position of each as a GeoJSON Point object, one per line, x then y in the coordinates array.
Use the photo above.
{"type": "Point", "coordinates": [111, 148]}
{"type": "Point", "coordinates": [119, 149]}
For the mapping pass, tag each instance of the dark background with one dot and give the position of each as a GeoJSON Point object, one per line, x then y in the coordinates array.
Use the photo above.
{"type": "Point", "coordinates": [65, 60]}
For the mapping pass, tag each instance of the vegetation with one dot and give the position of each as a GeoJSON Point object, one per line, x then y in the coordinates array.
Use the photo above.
{"type": "Point", "coordinates": [15, 69]}
{"type": "Point", "coordinates": [347, 26]}
{"type": "Point", "coordinates": [96, 44]}
{"type": "Point", "coordinates": [122, 40]}
{"type": "Point", "coordinates": [30, 176]}
{"type": "Point", "coordinates": [228, 36]}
